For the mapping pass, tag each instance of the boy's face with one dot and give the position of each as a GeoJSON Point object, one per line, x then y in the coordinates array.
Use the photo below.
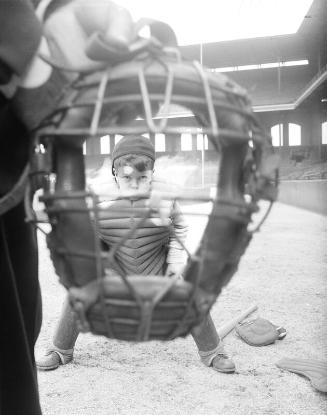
{"type": "Point", "coordinates": [132, 181]}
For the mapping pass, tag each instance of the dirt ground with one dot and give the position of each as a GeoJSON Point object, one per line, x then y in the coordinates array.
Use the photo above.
{"type": "Point", "coordinates": [284, 272]}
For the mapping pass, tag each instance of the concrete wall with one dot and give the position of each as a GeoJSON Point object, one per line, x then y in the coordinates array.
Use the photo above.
{"type": "Point", "coordinates": [310, 121]}
{"type": "Point", "coordinates": [306, 194]}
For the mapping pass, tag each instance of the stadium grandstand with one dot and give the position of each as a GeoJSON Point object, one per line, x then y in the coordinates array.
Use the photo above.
{"type": "Point", "coordinates": [286, 78]}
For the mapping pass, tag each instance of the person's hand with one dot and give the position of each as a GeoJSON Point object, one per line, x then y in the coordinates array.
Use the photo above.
{"type": "Point", "coordinates": [67, 35]}
{"type": "Point", "coordinates": [69, 29]}
{"type": "Point", "coordinates": [175, 270]}
{"type": "Point", "coordinates": [158, 203]}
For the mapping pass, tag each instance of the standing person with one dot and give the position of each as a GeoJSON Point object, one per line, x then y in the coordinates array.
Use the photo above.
{"type": "Point", "coordinates": [28, 88]}
{"type": "Point", "coordinates": [151, 250]}
{"type": "Point", "coordinates": [20, 300]}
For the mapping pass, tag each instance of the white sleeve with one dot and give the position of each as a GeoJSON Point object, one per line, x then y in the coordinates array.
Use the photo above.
{"type": "Point", "coordinates": [176, 253]}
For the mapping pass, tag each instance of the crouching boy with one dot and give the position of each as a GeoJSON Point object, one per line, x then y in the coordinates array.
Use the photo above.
{"type": "Point", "coordinates": [151, 250]}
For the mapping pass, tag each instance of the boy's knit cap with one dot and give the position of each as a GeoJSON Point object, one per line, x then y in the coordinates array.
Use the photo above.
{"type": "Point", "coordinates": [133, 144]}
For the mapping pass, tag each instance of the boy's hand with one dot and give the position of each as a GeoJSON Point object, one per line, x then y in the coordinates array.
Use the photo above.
{"type": "Point", "coordinates": [175, 269]}
{"type": "Point", "coordinates": [155, 202]}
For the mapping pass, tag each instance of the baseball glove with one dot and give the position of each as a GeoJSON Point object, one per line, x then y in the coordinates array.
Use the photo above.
{"type": "Point", "coordinates": [142, 308]}
{"type": "Point", "coordinates": [259, 332]}
{"type": "Point", "coordinates": [313, 369]}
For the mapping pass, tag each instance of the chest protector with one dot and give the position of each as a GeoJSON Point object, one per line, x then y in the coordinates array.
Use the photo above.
{"type": "Point", "coordinates": [145, 243]}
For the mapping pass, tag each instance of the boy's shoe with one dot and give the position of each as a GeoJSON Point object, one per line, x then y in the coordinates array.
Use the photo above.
{"type": "Point", "coordinates": [217, 359]}
{"type": "Point", "coordinates": [53, 359]}
{"type": "Point", "coordinates": [223, 363]}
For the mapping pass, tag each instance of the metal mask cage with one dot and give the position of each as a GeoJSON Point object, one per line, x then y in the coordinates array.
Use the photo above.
{"type": "Point", "coordinates": [136, 307]}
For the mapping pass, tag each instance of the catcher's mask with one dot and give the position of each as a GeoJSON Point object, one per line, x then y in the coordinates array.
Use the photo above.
{"type": "Point", "coordinates": [136, 307]}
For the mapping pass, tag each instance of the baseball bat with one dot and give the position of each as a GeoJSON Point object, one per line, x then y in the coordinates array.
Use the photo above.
{"type": "Point", "coordinates": [231, 324]}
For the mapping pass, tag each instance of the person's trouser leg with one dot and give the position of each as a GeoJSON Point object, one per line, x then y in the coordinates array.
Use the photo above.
{"type": "Point", "coordinates": [206, 336]}
{"type": "Point", "coordinates": [20, 314]}
{"type": "Point", "coordinates": [60, 352]}
{"type": "Point", "coordinates": [210, 346]}
{"type": "Point", "coordinates": [66, 332]}
{"type": "Point", "coordinates": [207, 340]}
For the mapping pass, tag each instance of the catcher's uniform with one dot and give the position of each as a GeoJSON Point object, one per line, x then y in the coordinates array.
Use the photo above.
{"type": "Point", "coordinates": [152, 245]}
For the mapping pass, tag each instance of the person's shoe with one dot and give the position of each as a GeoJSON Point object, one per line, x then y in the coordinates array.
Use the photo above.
{"type": "Point", "coordinates": [53, 359]}
{"type": "Point", "coordinates": [223, 363]}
